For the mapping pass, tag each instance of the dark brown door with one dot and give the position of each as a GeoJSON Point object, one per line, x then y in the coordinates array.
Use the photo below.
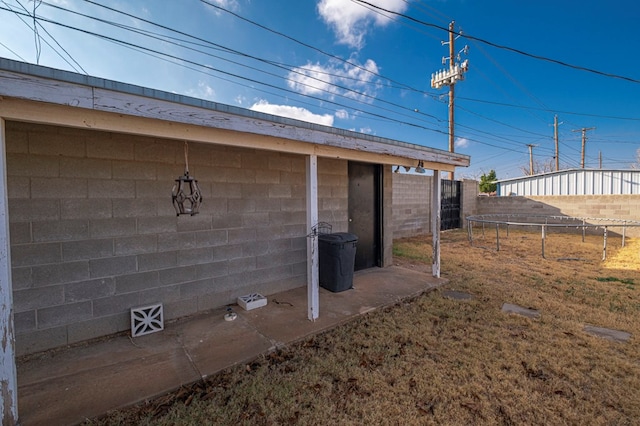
{"type": "Point", "coordinates": [365, 183]}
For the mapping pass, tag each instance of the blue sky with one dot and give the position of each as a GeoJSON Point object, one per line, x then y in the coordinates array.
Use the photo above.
{"type": "Point", "coordinates": [350, 65]}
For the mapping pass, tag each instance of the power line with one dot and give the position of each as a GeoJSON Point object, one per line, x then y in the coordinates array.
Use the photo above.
{"type": "Point", "coordinates": [295, 70]}
{"type": "Point", "coordinates": [290, 68]}
{"type": "Point", "coordinates": [36, 36]}
{"type": "Point", "coordinates": [500, 46]}
{"type": "Point", "coordinates": [513, 80]}
{"type": "Point", "coordinates": [173, 57]}
{"type": "Point", "coordinates": [35, 23]}
{"type": "Point", "coordinates": [12, 51]}
{"type": "Point", "coordinates": [40, 39]}
{"type": "Point", "coordinates": [337, 58]}
{"type": "Point", "coordinates": [399, 84]}
{"type": "Point", "coordinates": [550, 110]}
{"type": "Point", "coordinates": [307, 45]}
{"type": "Point", "coordinates": [183, 62]}
{"type": "Point", "coordinates": [251, 80]}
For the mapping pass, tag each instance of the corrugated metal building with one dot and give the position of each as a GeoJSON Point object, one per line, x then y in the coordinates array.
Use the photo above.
{"type": "Point", "coordinates": [573, 182]}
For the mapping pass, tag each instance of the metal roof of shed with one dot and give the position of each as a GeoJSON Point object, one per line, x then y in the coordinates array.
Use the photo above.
{"type": "Point", "coordinates": [574, 182]}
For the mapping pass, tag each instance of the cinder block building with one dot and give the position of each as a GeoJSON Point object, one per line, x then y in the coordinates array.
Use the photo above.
{"type": "Point", "coordinates": [89, 228]}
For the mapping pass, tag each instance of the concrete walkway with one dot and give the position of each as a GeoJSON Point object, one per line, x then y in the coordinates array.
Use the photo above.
{"type": "Point", "coordinates": [67, 386]}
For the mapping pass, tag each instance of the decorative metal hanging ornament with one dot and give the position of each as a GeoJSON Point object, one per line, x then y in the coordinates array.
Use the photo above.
{"type": "Point", "coordinates": [186, 195]}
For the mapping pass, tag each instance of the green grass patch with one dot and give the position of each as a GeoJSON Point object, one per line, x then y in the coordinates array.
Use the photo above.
{"type": "Point", "coordinates": [412, 252]}
{"type": "Point", "coordinates": [626, 281]}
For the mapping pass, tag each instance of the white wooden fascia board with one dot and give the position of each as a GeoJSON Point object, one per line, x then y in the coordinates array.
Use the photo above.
{"type": "Point", "coordinates": [46, 113]}
{"type": "Point", "coordinates": [128, 104]}
{"type": "Point", "coordinates": [24, 86]}
{"type": "Point", "coordinates": [56, 92]}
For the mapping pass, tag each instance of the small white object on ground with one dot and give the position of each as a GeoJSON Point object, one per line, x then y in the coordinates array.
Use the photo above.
{"type": "Point", "coordinates": [252, 301]}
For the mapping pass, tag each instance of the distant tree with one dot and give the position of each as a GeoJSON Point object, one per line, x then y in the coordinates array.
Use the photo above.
{"type": "Point", "coordinates": [487, 182]}
{"type": "Point", "coordinates": [539, 167]}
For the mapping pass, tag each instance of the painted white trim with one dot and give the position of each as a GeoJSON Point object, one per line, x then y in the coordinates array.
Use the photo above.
{"type": "Point", "coordinates": [313, 277]}
{"type": "Point", "coordinates": [436, 196]}
{"type": "Point", "coordinates": [8, 375]}
{"type": "Point", "coordinates": [65, 89]}
{"type": "Point", "coordinates": [46, 113]}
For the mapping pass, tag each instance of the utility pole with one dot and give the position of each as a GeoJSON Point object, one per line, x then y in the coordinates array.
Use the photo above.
{"type": "Point", "coordinates": [452, 53]}
{"type": "Point", "coordinates": [600, 159]}
{"type": "Point", "coordinates": [584, 131]}
{"type": "Point", "coordinates": [449, 77]}
{"type": "Point", "coordinates": [555, 138]}
{"type": "Point", "coordinates": [531, 158]}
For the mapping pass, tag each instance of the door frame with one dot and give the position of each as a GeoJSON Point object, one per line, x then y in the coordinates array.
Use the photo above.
{"type": "Point", "coordinates": [378, 205]}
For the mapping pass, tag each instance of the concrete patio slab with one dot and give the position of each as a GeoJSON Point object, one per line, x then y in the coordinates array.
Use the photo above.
{"type": "Point", "coordinates": [69, 385]}
{"type": "Point", "coordinates": [76, 391]}
{"type": "Point", "coordinates": [285, 320]}
{"type": "Point", "coordinates": [214, 344]}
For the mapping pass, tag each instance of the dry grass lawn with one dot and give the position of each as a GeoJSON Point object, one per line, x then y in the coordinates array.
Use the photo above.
{"type": "Point", "coordinates": [434, 360]}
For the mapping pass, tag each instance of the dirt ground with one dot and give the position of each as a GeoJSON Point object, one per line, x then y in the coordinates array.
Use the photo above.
{"type": "Point", "coordinates": [438, 360]}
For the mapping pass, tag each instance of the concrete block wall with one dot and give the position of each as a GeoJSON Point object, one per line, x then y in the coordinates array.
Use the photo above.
{"type": "Point", "coordinates": [93, 231]}
{"type": "Point", "coordinates": [333, 193]}
{"type": "Point", "coordinates": [411, 207]}
{"type": "Point", "coordinates": [412, 203]}
{"type": "Point", "coordinates": [412, 194]}
{"type": "Point", "coordinates": [387, 216]}
{"type": "Point", "coordinates": [470, 191]}
{"type": "Point", "coordinates": [624, 207]}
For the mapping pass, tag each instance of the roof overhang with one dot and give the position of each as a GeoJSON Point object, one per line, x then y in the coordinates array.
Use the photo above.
{"type": "Point", "coordinates": [44, 95]}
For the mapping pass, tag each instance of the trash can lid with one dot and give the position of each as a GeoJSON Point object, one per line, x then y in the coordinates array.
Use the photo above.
{"type": "Point", "coordinates": [338, 238]}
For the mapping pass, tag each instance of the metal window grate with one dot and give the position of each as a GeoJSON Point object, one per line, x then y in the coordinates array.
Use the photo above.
{"type": "Point", "coordinates": [146, 320]}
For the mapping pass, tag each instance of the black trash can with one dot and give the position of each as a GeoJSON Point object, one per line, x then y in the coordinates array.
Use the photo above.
{"type": "Point", "coordinates": [337, 253]}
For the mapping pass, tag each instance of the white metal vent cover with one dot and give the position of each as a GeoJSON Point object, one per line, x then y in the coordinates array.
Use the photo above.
{"type": "Point", "coordinates": [146, 320]}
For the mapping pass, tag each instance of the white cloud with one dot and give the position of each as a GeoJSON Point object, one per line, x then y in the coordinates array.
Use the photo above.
{"type": "Point", "coordinates": [342, 114]}
{"type": "Point", "coordinates": [366, 130]}
{"type": "Point", "coordinates": [337, 78]}
{"type": "Point", "coordinates": [204, 91]}
{"type": "Point", "coordinates": [292, 112]}
{"type": "Point", "coordinates": [351, 20]}
{"type": "Point", "coordinates": [461, 143]}
{"type": "Point", "coordinates": [225, 4]}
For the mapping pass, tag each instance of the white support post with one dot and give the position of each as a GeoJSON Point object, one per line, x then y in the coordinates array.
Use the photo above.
{"type": "Point", "coordinates": [8, 376]}
{"type": "Point", "coordinates": [313, 295]}
{"type": "Point", "coordinates": [436, 191]}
